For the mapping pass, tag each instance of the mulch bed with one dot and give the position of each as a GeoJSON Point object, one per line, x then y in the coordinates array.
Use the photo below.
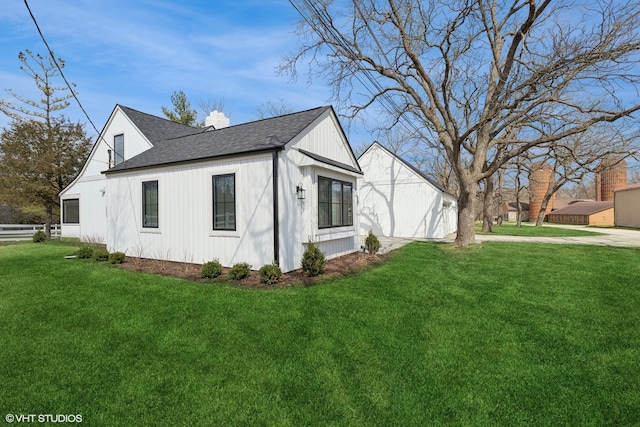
{"type": "Point", "coordinates": [334, 268]}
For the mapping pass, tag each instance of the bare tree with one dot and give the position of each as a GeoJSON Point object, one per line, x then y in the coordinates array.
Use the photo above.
{"type": "Point", "coordinates": [468, 73]}
{"type": "Point", "coordinates": [573, 158]}
{"type": "Point", "coordinates": [213, 104]}
{"type": "Point", "coordinates": [54, 98]}
{"type": "Point", "coordinates": [273, 109]}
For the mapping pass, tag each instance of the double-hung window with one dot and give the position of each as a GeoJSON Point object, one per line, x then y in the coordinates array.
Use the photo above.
{"type": "Point", "coordinates": [224, 202]}
{"type": "Point", "coordinates": [335, 203]}
{"type": "Point", "coordinates": [118, 149]}
{"type": "Point", "coordinates": [71, 211]}
{"type": "Point", "coordinates": [150, 204]}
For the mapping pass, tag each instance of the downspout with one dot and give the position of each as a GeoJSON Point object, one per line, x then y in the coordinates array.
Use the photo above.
{"type": "Point", "coordinates": [276, 220]}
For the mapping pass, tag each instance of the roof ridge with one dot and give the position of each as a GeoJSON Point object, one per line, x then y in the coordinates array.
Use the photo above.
{"type": "Point", "coordinates": [155, 117]}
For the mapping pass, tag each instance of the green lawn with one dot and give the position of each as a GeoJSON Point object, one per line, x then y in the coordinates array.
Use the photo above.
{"type": "Point", "coordinates": [533, 231]}
{"type": "Point", "coordinates": [498, 334]}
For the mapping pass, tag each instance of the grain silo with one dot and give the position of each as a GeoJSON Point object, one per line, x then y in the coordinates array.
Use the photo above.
{"type": "Point", "coordinates": [611, 176]}
{"type": "Point", "coordinates": [539, 178]}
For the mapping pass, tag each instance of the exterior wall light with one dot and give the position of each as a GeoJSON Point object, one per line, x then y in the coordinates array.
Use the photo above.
{"type": "Point", "coordinates": [300, 192]}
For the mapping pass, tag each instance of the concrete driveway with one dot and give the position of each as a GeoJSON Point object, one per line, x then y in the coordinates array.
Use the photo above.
{"type": "Point", "coordinates": [604, 237]}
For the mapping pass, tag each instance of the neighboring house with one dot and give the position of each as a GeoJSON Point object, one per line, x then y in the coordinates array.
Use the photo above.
{"type": "Point", "coordinates": [583, 213]}
{"type": "Point", "coordinates": [397, 200]}
{"type": "Point", "coordinates": [627, 206]}
{"type": "Point", "coordinates": [254, 192]}
{"type": "Point", "coordinates": [510, 211]}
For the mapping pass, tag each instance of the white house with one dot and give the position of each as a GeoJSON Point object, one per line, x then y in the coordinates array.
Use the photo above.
{"type": "Point", "coordinates": [254, 192]}
{"type": "Point", "coordinates": [397, 200]}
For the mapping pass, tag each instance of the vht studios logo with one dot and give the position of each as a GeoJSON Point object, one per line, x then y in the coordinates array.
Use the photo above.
{"type": "Point", "coordinates": [43, 418]}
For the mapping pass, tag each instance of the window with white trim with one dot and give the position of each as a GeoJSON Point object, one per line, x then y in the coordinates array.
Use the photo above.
{"type": "Point", "coordinates": [71, 211]}
{"type": "Point", "coordinates": [150, 204]}
{"type": "Point", "coordinates": [118, 149]}
{"type": "Point", "coordinates": [224, 202]}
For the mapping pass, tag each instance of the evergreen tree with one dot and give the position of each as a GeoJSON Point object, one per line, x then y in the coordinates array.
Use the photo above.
{"type": "Point", "coordinates": [182, 111]}
{"type": "Point", "coordinates": [40, 153]}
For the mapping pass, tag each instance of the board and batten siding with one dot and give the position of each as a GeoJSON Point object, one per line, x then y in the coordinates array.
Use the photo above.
{"type": "Point", "coordinates": [397, 202]}
{"type": "Point", "coordinates": [92, 209]}
{"type": "Point", "coordinates": [299, 218]}
{"type": "Point", "coordinates": [90, 185]}
{"type": "Point", "coordinates": [326, 140]}
{"type": "Point", "coordinates": [185, 209]}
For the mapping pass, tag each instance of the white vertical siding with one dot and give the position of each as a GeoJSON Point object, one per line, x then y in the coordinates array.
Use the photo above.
{"type": "Point", "coordinates": [185, 231]}
{"type": "Point", "coordinates": [395, 201]}
{"type": "Point", "coordinates": [299, 218]}
{"type": "Point", "coordinates": [92, 211]}
{"type": "Point", "coordinates": [88, 186]}
{"type": "Point", "coordinates": [327, 140]}
{"type": "Point", "coordinates": [134, 143]}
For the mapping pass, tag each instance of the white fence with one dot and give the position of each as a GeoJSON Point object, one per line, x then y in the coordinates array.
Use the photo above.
{"type": "Point", "coordinates": [25, 231]}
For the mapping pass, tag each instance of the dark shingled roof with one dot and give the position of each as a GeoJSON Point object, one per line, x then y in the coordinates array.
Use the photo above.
{"type": "Point", "coordinates": [326, 161]}
{"type": "Point", "coordinates": [513, 207]}
{"type": "Point", "coordinates": [583, 208]}
{"type": "Point", "coordinates": [174, 143]}
{"type": "Point", "coordinates": [156, 129]}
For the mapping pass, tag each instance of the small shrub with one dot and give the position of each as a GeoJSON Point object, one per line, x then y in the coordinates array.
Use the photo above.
{"type": "Point", "coordinates": [85, 252]}
{"type": "Point", "coordinates": [239, 271]}
{"type": "Point", "coordinates": [270, 273]}
{"type": "Point", "coordinates": [313, 260]}
{"type": "Point", "coordinates": [116, 257]}
{"type": "Point", "coordinates": [211, 270]}
{"type": "Point", "coordinates": [371, 243]}
{"type": "Point", "coordinates": [39, 236]}
{"type": "Point", "coordinates": [101, 255]}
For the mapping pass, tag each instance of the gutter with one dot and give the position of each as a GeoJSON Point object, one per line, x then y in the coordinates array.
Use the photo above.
{"type": "Point", "coordinates": [276, 213]}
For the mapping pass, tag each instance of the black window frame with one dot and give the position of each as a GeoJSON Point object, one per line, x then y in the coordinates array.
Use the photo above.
{"type": "Point", "coordinates": [334, 212]}
{"type": "Point", "coordinates": [146, 215]}
{"type": "Point", "coordinates": [118, 155]}
{"type": "Point", "coordinates": [224, 204]}
{"type": "Point", "coordinates": [65, 211]}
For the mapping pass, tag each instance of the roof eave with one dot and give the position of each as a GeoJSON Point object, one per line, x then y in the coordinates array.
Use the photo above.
{"type": "Point", "coordinates": [190, 161]}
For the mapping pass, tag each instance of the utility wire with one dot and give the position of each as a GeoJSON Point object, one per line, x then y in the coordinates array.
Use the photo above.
{"type": "Point", "coordinates": [63, 76]}
{"type": "Point", "coordinates": [385, 99]}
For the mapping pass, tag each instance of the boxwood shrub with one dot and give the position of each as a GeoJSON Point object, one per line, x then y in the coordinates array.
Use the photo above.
{"type": "Point", "coordinates": [211, 269]}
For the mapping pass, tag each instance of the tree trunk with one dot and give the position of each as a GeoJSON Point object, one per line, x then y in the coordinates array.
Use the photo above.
{"type": "Point", "coordinates": [543, 212]}
{"type": "Point", "coordinates": [518, 207]}
{"type": "Point", "coordinates": [466, 214]}
{"type": "Point", "coordinates": [545, 201]}
{"type": "Point", "coordinates": [487, 208]}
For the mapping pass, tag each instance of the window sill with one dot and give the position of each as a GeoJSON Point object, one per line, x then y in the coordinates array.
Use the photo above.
{"type": "Point", "coordinates": [224, 233]}
{"type": "Point", "coordinates": [325, 234]}
{"type": "Point", "coordinates": [151, 230]}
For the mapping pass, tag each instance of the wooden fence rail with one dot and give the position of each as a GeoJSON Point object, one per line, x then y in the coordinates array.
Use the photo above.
{"type": "Point", "coordinates": [25, 231]}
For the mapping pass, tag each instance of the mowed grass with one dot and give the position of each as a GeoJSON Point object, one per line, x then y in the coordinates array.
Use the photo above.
{"type": "Point", "coordinates": [528, 230]}
{"type": "Point", "coordinates": [497, 334]}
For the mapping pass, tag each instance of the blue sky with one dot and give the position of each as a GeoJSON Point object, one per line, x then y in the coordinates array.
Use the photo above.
{"type": "Point", "coordinates": [138, 52]}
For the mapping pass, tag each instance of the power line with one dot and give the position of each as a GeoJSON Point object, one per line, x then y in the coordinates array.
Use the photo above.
{"type": "Point", "coordinates": [55, 62]}
{"type": "Point", "coordinates": [384, 98]}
